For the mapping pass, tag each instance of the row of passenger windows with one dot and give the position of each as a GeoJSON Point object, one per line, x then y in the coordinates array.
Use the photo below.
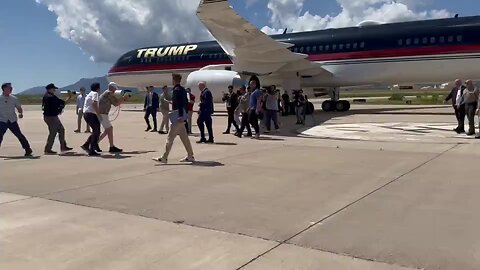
{"type": "Point", "coordinates": [329, 47]}
{"type": "Point", "coordinates": [430, 40]}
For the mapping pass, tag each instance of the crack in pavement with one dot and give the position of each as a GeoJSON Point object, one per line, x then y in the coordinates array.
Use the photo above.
{"type": "Point", "coordinates": [285, 242]}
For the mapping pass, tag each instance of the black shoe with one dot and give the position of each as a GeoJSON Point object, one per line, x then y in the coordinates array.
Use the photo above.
{"type": "Point", "coordinates": [28, 152]}
{"type": "Point", "coordinates": [66, 149]}
{"type": "Point", "coordinates": [202, 140]}
{"type": "Point", "coordinates": [93, 154]}
{"type": "Point", "coordinates": [210, 141]}
{"type": "Point", "coordinates": [226, 132]}
{"type": "Point", "coordinates": [85, 148]}
{"type": "Point", "coordinates": [470, 133]}
{"type": "Point", "coordinates": [115, 150]}
{"type": "Point", "coordinates": [249, 135]}
{"type": "Point", "coordinates": [148, 129]}
{"type": "Point", "coordinates": [50, 152]}
{"type": "Point", "coordinates": [97, 149]}
{"type": "Point", "coordinates": [162, 132]}
{"type": "Point", "coordinates": [460, 131]}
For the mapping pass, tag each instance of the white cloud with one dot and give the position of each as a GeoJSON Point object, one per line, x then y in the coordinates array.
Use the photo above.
{"type": "Point", "coordinates": [105, 29]}
{"type": "Point", "coordinates": [288, 14]}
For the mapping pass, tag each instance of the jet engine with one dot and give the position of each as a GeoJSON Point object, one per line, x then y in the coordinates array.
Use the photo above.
{"type": "Point", "coordinates": [217, 81]}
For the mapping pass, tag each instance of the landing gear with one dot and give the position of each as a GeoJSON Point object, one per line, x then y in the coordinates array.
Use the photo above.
{"type": "Point", "coordinates": [339, 106]}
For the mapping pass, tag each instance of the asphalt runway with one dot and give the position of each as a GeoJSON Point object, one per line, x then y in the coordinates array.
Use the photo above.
{"type": "Point", "coordinates": [396, 189]}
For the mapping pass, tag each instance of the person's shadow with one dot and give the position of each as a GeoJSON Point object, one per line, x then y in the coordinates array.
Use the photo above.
{"type": "Point", "coordinates": [19, 158]}
{"type": "Point", "coordinates": [195, 164]}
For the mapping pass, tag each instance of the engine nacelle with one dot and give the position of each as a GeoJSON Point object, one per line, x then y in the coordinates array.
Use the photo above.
{"type": "Point", "coordinates": [217, 81]}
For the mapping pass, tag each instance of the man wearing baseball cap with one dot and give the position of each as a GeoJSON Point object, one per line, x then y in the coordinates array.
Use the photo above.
{"type": "Point", "coordinates": [53, 106]}
{"type": "Point", "coordinates": [106, 100]}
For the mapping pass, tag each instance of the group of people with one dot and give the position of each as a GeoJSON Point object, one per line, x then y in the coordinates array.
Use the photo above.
{"type": "Point", "coordinates": [465, 100]}
{"type": "Point", "coordinates": [246, 109]}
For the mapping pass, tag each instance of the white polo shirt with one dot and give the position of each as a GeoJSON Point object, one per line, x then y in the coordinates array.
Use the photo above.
{"type": "Point", "coordinates": [91, 97]}
{"type": "Point", "coordinates": [7, 108]}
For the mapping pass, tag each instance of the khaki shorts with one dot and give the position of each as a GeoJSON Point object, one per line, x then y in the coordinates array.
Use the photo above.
{"type": "Point", "coordinates": [106, 124]}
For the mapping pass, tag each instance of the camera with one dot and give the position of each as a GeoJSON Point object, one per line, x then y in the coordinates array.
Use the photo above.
{"type": "Point", "coordinates": [124, 92]}
{"type": "Point", "coordinates": [68, 92]}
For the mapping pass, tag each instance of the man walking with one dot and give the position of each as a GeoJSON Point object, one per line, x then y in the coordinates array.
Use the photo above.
{"type": "Point", "coordinates": [80, 104]}
{"type": "Point", "coordinates": [91, 112]}
{"type": "Point", "coordinates": [205, 113]}
{"type": "Point", "coordinates": [456, 96]}
{"type": "Point", "coordinates": [164, 109]}
{"type": "Point", "coordinates": [52, 107]}
{"type": "Point", "coordinates": [255, 106]}
{"type": "Point", "coordinates": [191, 103]}
{"type": "Point", "coordinates": [8, 117]}
{"type": "Point", "coordinates": [106, 100]}
{"type": "Point", "coordinates": [178, 117]}
{"type": "Point", "coordinates": [151, 108]}
{"type": "Point", "coordinates": [231, 99]}
{"type": "Point", "coordinates": [243, 108]}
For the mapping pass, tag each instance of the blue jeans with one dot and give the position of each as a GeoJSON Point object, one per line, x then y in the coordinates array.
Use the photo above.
{"type": "Point", "coordinates": [271, 115]}
{"type": "Point", "coordinates": [203, 120]}
{"type": "Point", "coordinates": [15, 129]}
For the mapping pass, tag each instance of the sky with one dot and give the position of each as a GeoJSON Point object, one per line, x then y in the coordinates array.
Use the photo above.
{"type": "Point", "coordinates": [62, 41]}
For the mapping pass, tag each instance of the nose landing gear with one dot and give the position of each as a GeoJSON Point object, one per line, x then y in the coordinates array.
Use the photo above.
{"type": "Point", "coordinates": [339, 106]}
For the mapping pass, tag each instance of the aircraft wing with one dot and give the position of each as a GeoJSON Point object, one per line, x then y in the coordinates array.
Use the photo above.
{"type": "Point", "coordinates": [251, 50]}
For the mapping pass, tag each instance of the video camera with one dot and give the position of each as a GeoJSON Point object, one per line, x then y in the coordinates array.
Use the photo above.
{"type": "Point", "coordinates": [66, 92]}
{"type": "Point", "coordinates": [124, 93]}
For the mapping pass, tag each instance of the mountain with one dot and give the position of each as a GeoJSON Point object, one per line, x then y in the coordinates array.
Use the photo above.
{"type": "Point", "coordinates": [40, 90]}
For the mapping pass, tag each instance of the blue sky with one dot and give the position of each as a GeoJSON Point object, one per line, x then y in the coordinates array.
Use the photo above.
{"type": "Point", "coordinates": [34, 54]}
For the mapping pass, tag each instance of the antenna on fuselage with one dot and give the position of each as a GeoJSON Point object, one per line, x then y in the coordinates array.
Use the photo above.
{"type": "Point", "coordinates": [285, 31]}
{"type": "Point", "coordinates": [456, 16]}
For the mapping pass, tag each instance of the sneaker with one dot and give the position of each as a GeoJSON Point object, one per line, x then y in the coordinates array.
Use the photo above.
{"type": "Point", "coordinates": [50, 152]}
{"type": "Point", "coordinates": [160, 160]}
{"type": "Point", "coordinates": [114, 149]}
{"type": "Point", "coordinates": [66, 149]}
{"type": "Point", "coordinates": [93, 154]}
{"type": "Point", "coordinates": [188, 159]}
{"type": "Point", "coordinates": [202, 140]}
{"type": "Point", "coordinates": [28, 152]}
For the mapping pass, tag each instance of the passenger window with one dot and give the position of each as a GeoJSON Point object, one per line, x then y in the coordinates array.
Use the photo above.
{"type": "Point", "coordinates": [301, 49]}
{"type": "Point", "coordinates": [348, 46]}
{"type": "Point", "coordinates": [362, 45]}
{"type": "Point", "coordinates": [433, 40]}
{"type": "Point", "coordinates": [408, 41]}
{"type": "Point", "coordinates": [424, 40]}
{"type": "Point", "coordinates": [442, 39]}
{"type": "Point", "coordinates": [355, 45]}
{"type": "Point", "coordinates": [314, 48]}
{"type": "Point", "coordinates": [327, 47]}
{"type": "Point", "coordinates": [320, 48]}
{"type": "Point", "coordinates": [450, 39]}
{"type": "Point", "coordinates": [334, 47]}
{"type": "Point", "coordinates": [459, 38]}
{"type": "Point", "coordinates": [341, 47]}
{"type": "Point", "coordinates": [400, 42]}
{"type": "Point", "coordinates": [295, 49]}
{"type": "Point", "coordinates": [416, 41]}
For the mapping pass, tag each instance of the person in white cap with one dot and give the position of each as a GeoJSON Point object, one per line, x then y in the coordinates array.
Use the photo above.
{"type": "Point", "coordinates": [106, 100]}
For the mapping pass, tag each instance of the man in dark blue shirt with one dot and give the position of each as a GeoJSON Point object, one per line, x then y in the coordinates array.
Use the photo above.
{"type": "Point", "coordinates": [178, 117]}
{"type": "Point", "coordinates": [151, 105]}
{"type": "Point", "coordinates": [205, 113]}
{"type": "Point", "coordinates": [52, 107]}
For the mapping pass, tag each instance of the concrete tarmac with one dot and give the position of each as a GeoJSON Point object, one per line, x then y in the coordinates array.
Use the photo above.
{"type": "Point", "coordinates": [297, 199]}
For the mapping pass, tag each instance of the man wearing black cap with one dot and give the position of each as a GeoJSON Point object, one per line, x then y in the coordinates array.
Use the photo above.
{"type": "Point", "coordinates": [8, 117]}
{"type": "Point", "coordinates": [53, 106]}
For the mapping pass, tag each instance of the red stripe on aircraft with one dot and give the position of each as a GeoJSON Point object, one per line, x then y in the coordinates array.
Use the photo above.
{"type": "Point", "coordinates": [404, 52]}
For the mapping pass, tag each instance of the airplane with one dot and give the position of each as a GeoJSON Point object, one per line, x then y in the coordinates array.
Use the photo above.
{"type": "Point", "coordinates": [369, 53]}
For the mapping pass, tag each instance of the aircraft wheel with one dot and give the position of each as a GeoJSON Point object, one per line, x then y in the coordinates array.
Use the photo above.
{"type": "Point", "coordinates": [342, 106]}
{"type": "Point", "coordinates": [328, 106]}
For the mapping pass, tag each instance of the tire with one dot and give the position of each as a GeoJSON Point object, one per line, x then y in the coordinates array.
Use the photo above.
{"type": "Point", "coordinates": [342, 106]}
{"type": "Point", "coordinates": [328, 106]}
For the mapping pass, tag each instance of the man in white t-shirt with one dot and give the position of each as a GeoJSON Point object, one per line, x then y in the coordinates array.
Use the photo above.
{"type": "Point", "coordinates": [91, 111]}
